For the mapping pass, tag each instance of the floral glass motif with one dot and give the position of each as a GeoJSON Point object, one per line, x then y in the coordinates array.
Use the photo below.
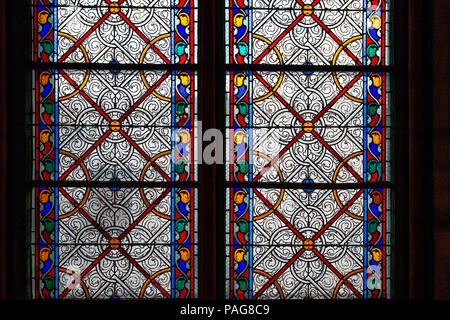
{"type": "Point", "coordinates": [102, 135]}
{"type": "Point", "coordinates": [315, 126]}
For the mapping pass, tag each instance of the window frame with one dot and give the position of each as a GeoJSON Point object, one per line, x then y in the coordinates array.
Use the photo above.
{"type": "Point", "coordinates": [413, 246]}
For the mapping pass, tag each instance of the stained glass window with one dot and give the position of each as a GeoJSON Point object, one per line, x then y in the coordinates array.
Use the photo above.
{"type": "Point", "coordinates": [308, 118]}
{"type": "Point", "coordinates": [114, 197]}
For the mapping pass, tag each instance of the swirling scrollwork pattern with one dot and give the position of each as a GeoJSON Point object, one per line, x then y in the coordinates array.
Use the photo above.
{"type": "Point", "coordinates": [114, 126]}
{"type": "Point", "coordinates": [323, 130]}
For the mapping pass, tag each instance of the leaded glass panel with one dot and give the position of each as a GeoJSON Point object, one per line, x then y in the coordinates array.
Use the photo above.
{"type": "Point", "coordinates": [112, 118]}
{"type": "Point", "coordinates": [309, 130]}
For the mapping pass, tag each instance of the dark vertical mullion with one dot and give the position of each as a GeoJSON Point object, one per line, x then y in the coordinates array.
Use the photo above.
{"type": "Point", "coordinates": [207, 209]}
{"type": "Point", "coordinates": [419, 211]}
{"type": "Point", "coordinates": [400, 206]}
{"type": "Point", "coordinates": [18, 30]}
{"type": "Point", "coordinates": [220, 124]}
{"type": "Point", "coordinates": [428, 153]}
{"type": "Point", "coordinates": [3, 146]}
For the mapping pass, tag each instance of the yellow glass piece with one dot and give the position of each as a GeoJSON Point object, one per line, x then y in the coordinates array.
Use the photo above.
{"type": "Point", "coordinates": [115, 125]}
{"type": "Point", "coordinates": [376, 137]}
{"type": "Point", "coordinates": [114, 7]}
{"type": "Point", "coordinates": [376, 22]}
{"type": "Point", "coordinates": [44, 253]}
{"type": "Point", "coordinates": [239, 137]}
{"type": "Point", "coordinates": [44, 78]}
{"type": "Point", "coordinates": [239, 79]}
{"type": "Point", "coordinates": [44, 195]}
{"type": "Point", "coordinates": [43, 17]}
{"type": "Point", "coordinates": [239, 197]}
{"type": "Point", "coordinates": [185, 254]}
{"type": "Point", "coordinates": [308, 244]}
{"type": "Point", "coordinates": [308, 126]}
{"type": "Point", "coordinates": [184, 19]}
{"type": "Point", "coordinates": [185, 136]}
{"type": "Point", "coordinates": [377, 80]}
{"type": "Point", "coordinates": [184, 78]}
{"type": "Point", "coordinates": [377, 255]}
{"type": "Point", "coordinates": [308, 10]}
{"type": "Point", "coordinates": [185, 196]}
{"type": "Point", "coordinates": [238, 20]}
{"type": "Point", "coordinates": [239, 255]}
{"type": "Point", "coordinates": [44, 135]}
{"type": "Point", "coordinates": [114, 243]}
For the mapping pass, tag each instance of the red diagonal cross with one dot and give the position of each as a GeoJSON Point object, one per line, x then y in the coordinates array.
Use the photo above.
{"type": "Point", "coordinates": [278, 39]}
{"type": "Point", "coordinates": [142, 270]}
{"type": "Point", "coordinates": [337, 273]}
{"type": "Point", "coordinates": [107, 133]}
{"type": "Point", "coordinates": [88, 33]}
{"type": "Point", "coordinates": [78, 279]}
{"type": "Point", "coordinates": [77, 88]}
{"type": "Point", "coordinates": [279, 97]}
{"type": "Point", "coordinates": [316, 118]}
{"type": "Point", "coordinates": [316, 236]}
{"type": "Point", "coordinates": [279, 215]}
{"type": "Point", "coordinates": [290, 27]}
{"type": "Point", "coordinates": [335, 38]}
{"type": "Point", "coordinates": [132, 26]}
{"type": "Point", "coordinates": [97, 226]}
{"type": "Point", "coordinates": [88, 217]}
{"type": "Point", "coordinates": [144, 214]}
{"type": "Point", "coordinates": [99, 22]}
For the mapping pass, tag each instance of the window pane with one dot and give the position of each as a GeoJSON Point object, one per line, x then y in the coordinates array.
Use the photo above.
{"type": "Point", "coordinates": [308, 215]}
{"type": "Point", "coordinates": [115, 242]}
{"type": "Point", "coordinates": [120, 123]}
{"type": "Point", "coordinates": [116, 32]}
{"type": "Point", "coordinates": [321, 127]}
{"type": "Point", "coordinates": [304, 32]}
{"type": "Point", "coordinates": [104, 130]}
{"type": "Point", "coordinates": [308, 243]}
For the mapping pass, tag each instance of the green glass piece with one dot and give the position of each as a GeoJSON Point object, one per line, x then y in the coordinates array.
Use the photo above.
{"type": "Point", "coordinates": [372, 109]}
{"type": "Point", "coordinates": [49, 283]}
{"type": "Point", "coordinates": [243, 48]}
{"type": "Point", "coordinates": [372, 50]}
{"type": "Point", "coordinates": [372, 226]}
{"type": "Point", "coordinates": [243, 284]}
{"type": "Point", "coordinates": [243, 108]}
{"type": "Point", "coordinates": [49, 165]}
{"type": "Point", "coordinates": [180, 283]}
{"type": "Point", "coordinates": [49, 225]}
{"type": "Point", "coordinates": [49, 106]}
{"type": "Point", "coordinates": [180, 48]}
{"type": "Point", "coordinates": [180, 225]}
{"type": "Point", "coordinates": [179, 167]}
{"type": "Point", "coordinates": [243, 226]}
